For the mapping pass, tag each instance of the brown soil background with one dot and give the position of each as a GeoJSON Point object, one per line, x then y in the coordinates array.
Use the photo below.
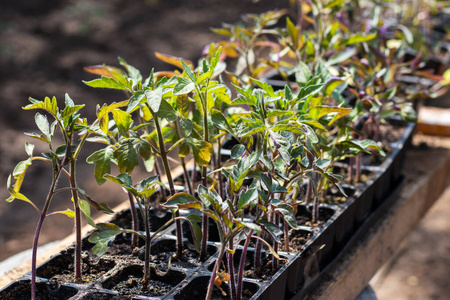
{"type": "Point", "coordinates": [44, 46]}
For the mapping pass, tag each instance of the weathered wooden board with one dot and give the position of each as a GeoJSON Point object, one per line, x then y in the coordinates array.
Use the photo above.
{"type": "Point", "coordinates": [427, 174]}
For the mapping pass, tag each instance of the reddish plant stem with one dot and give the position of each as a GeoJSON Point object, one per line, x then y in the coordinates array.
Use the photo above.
{"type": "Point", "coordinates": [205, 223]}
{"type": "Point", "coordinates": [286, 236]}
{"type": "Point", "coordinates": [34, 255]}
{"type": "Point", "coordinates": [147, 249]}
{"type": "Point", "coordinates": [168, 172]}
{"type": "Point", "coordinates": [230, 259]}
{"type": "Point", "coordinates": [73, 184]}
{"type": "Point", "coordinates": [134, 220]}
{"type": "Point", "coordinates": [258, 247]}
{"type": "Point", "coordinates": [214, 272]}
{"type": "Point", "coordinates": [241, 266]}
{"type": "Point", "coordinates": [275, 244]}
{"type": "Point", "coordinates": [38, 231]}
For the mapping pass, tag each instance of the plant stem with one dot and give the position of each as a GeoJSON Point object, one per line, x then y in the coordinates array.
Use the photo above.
{"type": "Point", "coordinates": [230, 259]}
{"type": "Point", "coordinates": [134, 220]}
{"type": "Point", "coordinates": [147, 248]}
{"type": "Point", "coordinates": [275, 244]}
{"type": "Point", "coordinates": [257, 267]}
{"type": "Point", "coordinates": [205, 222]}
{"type": "Point", "coordinates": [38, 230]}
{"type": "Point", "coordinates": [73, 184]}
{"type": "Point", "coordinates": [242, 265]}
{"type": "Point", "coordinates": [186, 177]}
{"type": "Point", "coordinates": [163, 153]}
{"type": "Point", "coordinates": [286, 236]}
{"type": "Point", "coordinates": [214, 272]}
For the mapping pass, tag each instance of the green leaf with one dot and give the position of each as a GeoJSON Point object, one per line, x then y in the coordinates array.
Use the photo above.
{"type": "Point", "coordinates": [68, 212]}
{"type": "Point", "coordinates": [86, 209]}
{"type": "Point", "coordinates": [248, 198]}
{"type": "Point", "coordinates": [288, 216]}
{"type": "Point", "coordinates": [146, 183]}
{"type": "Point", "coordinates": [357, 38]}
{"type": "Point", "coordinates": [29, 148]}
{"type": "Point", "coordinates": [184, 86]}
{"type": "Point", "coordinates": [102, 160]}
{"type": "Point", "coordinates": [186, 126]}
{"type": "Point", "coordinates": [252, 226]}
{"type": "Point", "coordinates": [237, 151]}
{"type": "Point", "coordinates": [194, 220]}
{"type": "Point", "coordinates": [182, 201]}
{"type": "Point", "coordinates": [154, 98]}
{"type": "Point", "coordinates": [107, 83]}
{"type": "Point", "coordinates": [43, 125]}
{"type": "Point", "coordinates": [135, 100]}
{"type": "Point", "coordinates": [220, 121]}
{"type": "Point", "coordinates": [106, 234]}
{"type": "Point", "coordinates": [183, 149]}
{"type": "Point", "coordinates": [293, 32]}
{"type": "Point", "coordinates": [408, 113]}
{"type": "Point", "coordinates": [319, 111]}
{"type": "Point", "coordinates": [123, 121]}
{"type": "Point", "coordinates": [334, 3]}
{"type": "Point", "coordinates": [302, 73]}
{"type": "Point", "coordinates": [202, 151]}
{"type": "Point", "coordinates": [166, 111]}
{"type": "Point", "coordinates": [127, 157]}
{"type": "Point", "coordinates": [331, 84]}
{"type": "Point", "coordinates": [132, 71]}
{"type": "Point", "coordinates": [48, 105]}
{"type": "Point", "coordinates": [341, 57]}
{"type": "Point", "coordinates": [188, 71]}
{"type": "Point", "coordinates": [70, 110]}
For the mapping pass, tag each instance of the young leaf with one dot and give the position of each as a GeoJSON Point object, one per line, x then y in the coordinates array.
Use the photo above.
{"type": "Point", "coordinates": [167, 112]}
{"type": "Point", "coordinates": [68, 212]}
{"type": "Point", "coordinates": [186, 126]}
{"type": "Point", "coordinates": [220, 121]}
{"type": "Point", "coordinates": [127, 157]}
{"type": "Point", "coordinates": [237, 151]}
{"type": "Point", "coordinates": [202, 151]}
{"type": "Point", "coordinates": [102, 160]}
{"type": "Point", "coordinates": [248, 198]}
{"type": "Point", "coordinates": [132, 71]}
{"type": "Point", "coordinates": [184, 86]}
{"type": "Point", "coordinates": [107, 232]}
{"type": "Point", "coordinates": [154, 98]}
{"type": "Point", "coordinates": [357, 38]}
{"type": "Point", "coordinates": [86, 209]}
{"type": "Point", "coordinates": [135, 100]}
{"type": "Point", "coordinates": [182, 201]}
{"type": "Point", "coordinates": [107, 83]}
{"type": "Point", "coordinates": [48, 105]}
{"type": "Point", "coordinates": [123, 121]}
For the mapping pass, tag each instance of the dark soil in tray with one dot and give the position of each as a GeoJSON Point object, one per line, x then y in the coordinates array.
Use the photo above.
{"type": "Point", "coordinates": [197, 289]}
{"type": "Point", "coordinates": [266, 264]}
{"type": "Point", "coordinates": [304, 215]}
{"type": "Point", "coordinates": [60, 268]}
{"type": "Point", "coordinates": [297, 239]}
{"type": "Point", "coordinates": [21, 290]}
{"type": "Point", "coordinates": [163, 251]}
{"type": "Point", "coordinates": [128, 282]}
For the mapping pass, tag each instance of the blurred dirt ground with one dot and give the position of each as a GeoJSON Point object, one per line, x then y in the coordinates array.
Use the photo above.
{"type": "Point", "coordinates": [420, 268]}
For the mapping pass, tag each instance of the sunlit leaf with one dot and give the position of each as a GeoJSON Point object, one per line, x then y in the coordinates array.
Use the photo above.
{"type": "Point", "coordinates": [102, 160]}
